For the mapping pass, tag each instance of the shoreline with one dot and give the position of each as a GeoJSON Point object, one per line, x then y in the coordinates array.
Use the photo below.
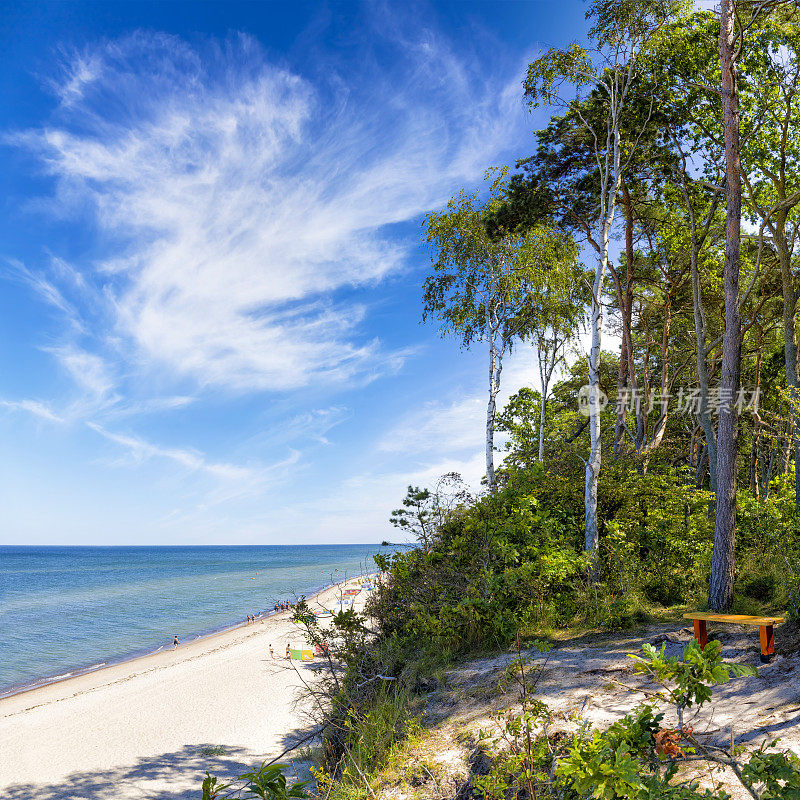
{"type": "Point", "coordinates": [151, 726]}
{"type": "Point", "coordinates": [13, 690]}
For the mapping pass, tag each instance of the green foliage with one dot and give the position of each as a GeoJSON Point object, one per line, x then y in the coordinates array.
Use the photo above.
{"type": "Point", "coordinates": [688, 682]}
{"type": "Point", "coordinates": [659, 537]}
{"type": "Point", "coordinates": [635, 758]}
{"type": "Point", "coordinates": [372, 735]}
{"type": "Point", "coordinates": [520, 419]}
{"type": "Point", "coordinates": [415, 516]}
{"type": "Point", "coordinates": [481, 285]}
{"type": "Point", "coordinates": [776, 774]}
{"type": "Point", "coordinates": [526, 759]}
{"type": "Point", "coordinates": [617, 762]}
{"type": "Point", "coordinates": [212, 789]}
{"type": "Point", "coordinates": [503, 563]}
{"type": "Point", "coordinates": [267, 782]}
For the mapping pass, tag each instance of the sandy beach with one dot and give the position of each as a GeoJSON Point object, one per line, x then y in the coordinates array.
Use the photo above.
{"type": "Point", "coordinates": [149, 728]}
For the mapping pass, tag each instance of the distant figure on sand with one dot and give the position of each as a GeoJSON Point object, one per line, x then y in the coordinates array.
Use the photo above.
{"type": "Point", "coordinates": [271, 652]}
{"type": "Point", "coordinates": [288, 651]}
{"type": "Point", "coordinates": [174, 642]}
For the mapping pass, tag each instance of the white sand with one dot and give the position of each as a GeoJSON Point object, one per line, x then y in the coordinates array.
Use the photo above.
{"type": "Point", "coordinates": [139, 729]}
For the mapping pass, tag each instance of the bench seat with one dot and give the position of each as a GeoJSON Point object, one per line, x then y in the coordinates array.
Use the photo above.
{"type": "Point", "coordinates": [764, 624]}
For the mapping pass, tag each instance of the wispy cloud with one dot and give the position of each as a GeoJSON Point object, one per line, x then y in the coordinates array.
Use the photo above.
{"type": "Point", "coordinates": [88, 370]}
{"type": "Point", "coordinates": [451, 427]}
{"type": "Point", "coordinates": [34, 407]}
{"type": "Point", "coordinates": [314, 424]}
{"type": "Point", "coordinates": [244, 202]}
{"type": "Point", "coordinates": [244, 216]}
{"type": "Point", "coordinates": [140, 450]}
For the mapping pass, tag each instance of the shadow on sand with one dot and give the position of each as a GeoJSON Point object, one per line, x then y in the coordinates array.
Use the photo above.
{"type": "Point", "coordinates": [170, 776]}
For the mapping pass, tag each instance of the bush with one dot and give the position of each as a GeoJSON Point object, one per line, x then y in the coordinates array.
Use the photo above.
{"type": "Point", "coordinates": [506, 562]}
{"type": "Point", "coordinates": [761, 587]}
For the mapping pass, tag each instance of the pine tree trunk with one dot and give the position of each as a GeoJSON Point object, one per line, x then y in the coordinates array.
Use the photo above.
{"type": "Point", "coordinates": [754, 487]}
{"type": "Point", "coordinates": [626, 377]}
{"type": "Point", "coordinates": [722, 564]}
{"type": "Point", "coordinates": [790, 342]}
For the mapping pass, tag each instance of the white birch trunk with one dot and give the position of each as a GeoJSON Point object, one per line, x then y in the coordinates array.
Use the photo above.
{"type": "Point", "coordinates": [546, 367]}
{"type": "Point", "coordinates": [491, 410]}
{"type": "Point", "coordinates": [495, 363]}
{"type": "Point", "coordinates": [594, 460]}
{"type": "Point", "coordinates": [610, 186]}
{"type": "Point", "coordinates": [541, 424]}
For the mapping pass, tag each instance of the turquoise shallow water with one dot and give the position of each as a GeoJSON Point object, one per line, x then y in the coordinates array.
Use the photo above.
{"type": "Point", "coordinates": [63, 609]}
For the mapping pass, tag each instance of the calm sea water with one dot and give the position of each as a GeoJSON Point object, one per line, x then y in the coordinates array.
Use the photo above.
{"type": "Point", "coordinates": [67, 608]}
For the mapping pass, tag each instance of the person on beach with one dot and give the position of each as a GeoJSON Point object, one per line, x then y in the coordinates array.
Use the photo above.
{"type": "Point", "coordinates": [174, 642]}
{"type": "Point", "coordinates": [271, 652]}
{"type": "Point", "coordinates": [288, 651]}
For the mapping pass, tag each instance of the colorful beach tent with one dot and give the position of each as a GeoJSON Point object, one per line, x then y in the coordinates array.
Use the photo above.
{"type": "Point", "coordinates": [301, 654]}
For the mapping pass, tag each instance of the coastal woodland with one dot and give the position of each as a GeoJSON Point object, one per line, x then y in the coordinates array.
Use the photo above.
{"type": "Point", "coordinates": [646, 248]}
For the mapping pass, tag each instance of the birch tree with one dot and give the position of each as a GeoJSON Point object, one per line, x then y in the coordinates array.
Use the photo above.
{"type": "Point", "coordinates": [553, 322]}
{"type": "Point", "coordinates": [480, 283]}
{"type": "Point", "coordinates": [565, 79]}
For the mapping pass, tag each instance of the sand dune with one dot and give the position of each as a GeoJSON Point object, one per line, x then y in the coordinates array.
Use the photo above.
{"type": "Point", "coordinates": [149, 728]}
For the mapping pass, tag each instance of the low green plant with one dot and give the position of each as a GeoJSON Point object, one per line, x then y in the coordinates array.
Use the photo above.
{"type": "Point", "coordinates": [622, 762]}
{"type": "Point", "coordinates": [688, 681]}
{"type": "Point", "coordinates": [774, 776]}
{"type": "Point", "coordinates": [267, 782]}
{"type": "Point", "coordinates": [635, 758]}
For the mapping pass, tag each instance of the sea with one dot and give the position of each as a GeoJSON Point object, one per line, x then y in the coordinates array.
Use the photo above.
{"type": "Point", "coordinates": [68, 610]}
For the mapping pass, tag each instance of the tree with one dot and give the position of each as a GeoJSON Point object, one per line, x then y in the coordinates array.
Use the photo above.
{"type": "Point", "coordinates": [698, 133]}
{"type": "Point", "coordinates": [425, 511]}
{"type": "Point", "coordinates": [772, 176]}
{"type": "Point", "coordinates": [480, 284]}
{"type": "Point", "coordinates": [416, 517]}
{"type": "Point", "coordinates": [521, 420]}
{"type": "Point", "coordinates": [721, 590]}
{"type": "Point", "coordinates": [553, 320]}
{"type": "Point", "coordinates": [561, 78]}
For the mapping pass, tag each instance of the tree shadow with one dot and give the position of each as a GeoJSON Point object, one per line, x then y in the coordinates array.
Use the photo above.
{"type": "Point", "coordinates": [766, 731]}
{"type": "Point", "coordinates": [169, 776]}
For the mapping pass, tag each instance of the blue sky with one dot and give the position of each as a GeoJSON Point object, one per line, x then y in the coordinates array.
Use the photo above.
{"type": "Point", "coordinates": [210, 298]}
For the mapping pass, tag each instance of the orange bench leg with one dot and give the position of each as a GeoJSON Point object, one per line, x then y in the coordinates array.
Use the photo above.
{"type": "Point", "coordinates": [700, 632]}
{"type": "Point", "coordinates": [767, 643]}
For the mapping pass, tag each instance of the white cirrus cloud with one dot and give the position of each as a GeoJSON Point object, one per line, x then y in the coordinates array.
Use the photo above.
{"type": "Point", "coordinates": [34, 407]}
{"type": "Point", "coordinates": [240, 203]}
{"type": "Point", "coordinates": [242, 477]}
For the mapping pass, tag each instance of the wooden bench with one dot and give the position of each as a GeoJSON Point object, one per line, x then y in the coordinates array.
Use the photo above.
{"type": "Point", "coordinates": [765, 625]}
